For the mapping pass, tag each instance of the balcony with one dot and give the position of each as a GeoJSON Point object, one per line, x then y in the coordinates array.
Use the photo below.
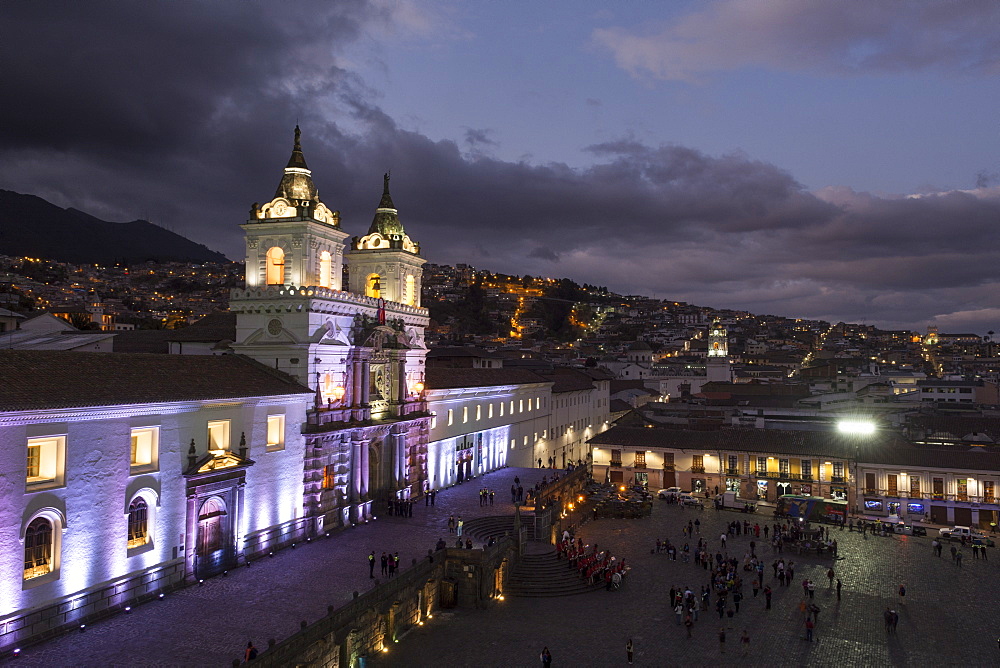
{"type": "Point", "coordinates": [615, 462]}
{"type": "Point", "coordinates": [668, 467]}
{"type": "Point", "coordinates": [837, 478]}
{"type": "Point", "coordinates": [639, 464]}
{"type": "Point", "coordinates": [735, 471]}
{"type": "Point", "coordinates": [697, 469]}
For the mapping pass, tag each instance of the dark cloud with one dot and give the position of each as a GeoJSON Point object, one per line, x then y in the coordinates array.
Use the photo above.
{"type": "Point", "coordinates": [183, 113]}
{"type": "Point", "coordinates": [544, 254]}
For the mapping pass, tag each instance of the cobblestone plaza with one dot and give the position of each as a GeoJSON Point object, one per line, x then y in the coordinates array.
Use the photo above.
{"type": "Point", "coordinates": [947, 617]}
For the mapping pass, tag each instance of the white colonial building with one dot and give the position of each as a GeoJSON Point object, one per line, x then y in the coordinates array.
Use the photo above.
{"type": "Point", "coordinates": [125, 475]}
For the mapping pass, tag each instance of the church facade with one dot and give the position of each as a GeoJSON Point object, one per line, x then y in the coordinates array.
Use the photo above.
{"type": "Point", "coordinates": [126, 475]}
{"type": "Point", "coordinates": [361, 350]}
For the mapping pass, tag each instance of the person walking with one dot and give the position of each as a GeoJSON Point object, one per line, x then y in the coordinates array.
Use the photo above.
{"type": "Point", "coordinates": [371, 565]}
{"type": "Point", "coordinates": [250, 654]}
{"type": "Point", "coordinates": [385, 564]}
{"type": "Point", "coordinates": [722, 640]}
{"type": "Point", "coordinates": [829, 576]}
{"type": "Point", "coordinates": [679, 611]}
{"type": "Point", "coordinates": [838, 588]}
{"type": "Point", "coordinates": [546, 657]}
{"type": "Point", "coordinates": [461, 523]}
{"type": "Point", "coordinates": [809, 629]}
{"type": "Point", "coordinates": [744, 643]}
{"type": "Point", "coordinates": [689, 623]}
{"type": "Point", "coordinates": [902, 593]}
{"type": "Point", "coordinates": [767, 597]}
{"type": "Point", "coordinates": [628, 651]}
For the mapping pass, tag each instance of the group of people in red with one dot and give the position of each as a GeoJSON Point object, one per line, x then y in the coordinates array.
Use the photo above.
{"type": "Point", "coordinates": [591, 564]}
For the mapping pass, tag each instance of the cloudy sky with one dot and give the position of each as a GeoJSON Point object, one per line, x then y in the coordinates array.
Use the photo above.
{"type": "Point", "coordinates": [835, 160]}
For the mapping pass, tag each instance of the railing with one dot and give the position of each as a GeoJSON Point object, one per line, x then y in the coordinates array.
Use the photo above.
{"type": "Point", "coordinates": [615, 462]}
{"type": "Point", "coordinates": [668, 467]}
{"type": "Point", "coordinates": [837, 478]}
{"type": "Point", "coordinates": [735, 471]}
{"type": "Point", "coordinates": [638, 465]}
{"type": "Point", "coordinates": [918, 496]}
{"type": "Point", "coordinates": [697, 469]}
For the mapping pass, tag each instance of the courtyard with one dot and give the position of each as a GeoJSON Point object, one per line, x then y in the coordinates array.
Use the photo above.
{"type": "Point", "coordinates": [948, 617]}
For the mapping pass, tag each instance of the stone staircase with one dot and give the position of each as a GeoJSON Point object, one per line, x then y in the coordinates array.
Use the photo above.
{"type": "Point", "coordinates": [540, 574]}
{"type": "Point", "coordinates": [482, 528]}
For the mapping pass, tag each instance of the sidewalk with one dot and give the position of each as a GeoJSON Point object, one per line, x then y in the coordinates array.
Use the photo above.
{"type": "Point", "coordinates": [211, 624]}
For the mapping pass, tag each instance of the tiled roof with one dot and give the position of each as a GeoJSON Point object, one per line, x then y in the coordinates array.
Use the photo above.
{"type": "Point", "coordinates": [438, 378]}
{"type": "Point", "coordinates": [35, 380]}
{"type": "Point", "coordinates": [567, 380]}
{"type": "Point", "coordinates": [764, 441]}
{"type": "Point", "coordinates": [217, 326]}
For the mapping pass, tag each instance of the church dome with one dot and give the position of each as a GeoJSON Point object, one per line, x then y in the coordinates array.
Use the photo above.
{"type": "Point", "coordinates": [296, 182]}
{"type": "Point", "coordinates": [386, 221]}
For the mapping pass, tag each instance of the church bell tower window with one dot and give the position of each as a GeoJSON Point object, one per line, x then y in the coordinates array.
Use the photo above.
{"type": "Point", "coordinates": [275, 266]}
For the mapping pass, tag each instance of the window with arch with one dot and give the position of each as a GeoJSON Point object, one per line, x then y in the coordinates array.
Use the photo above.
{"type": "Point", "coordinates": [410, 291]}
{"type": "Point", "coordinates": [275, 266]}
{"type": "Point", "coordinates": [373, 286]}
{"type": "Point", "coordinates": [38, 550]}
{"type": "Point", "coordinates": [325, 270]}
{"type": "Point", "coordinates": [138, 523]}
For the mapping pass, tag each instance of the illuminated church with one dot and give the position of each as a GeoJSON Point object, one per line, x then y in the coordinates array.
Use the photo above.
{"type": "Point", "coordinates": [124, 475]}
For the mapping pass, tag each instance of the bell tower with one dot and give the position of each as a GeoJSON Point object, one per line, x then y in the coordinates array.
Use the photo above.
{"type": "Point", "coordinates": [717, 366]}
{"type": "Point", "coordinates": [385, 263]}
{"type": "Point", "coordinates": [294, 239]}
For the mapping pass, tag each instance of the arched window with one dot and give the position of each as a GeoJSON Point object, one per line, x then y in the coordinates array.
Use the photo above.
{"type": "Point", "coordinates": [373, 286]}
{"type": "Point", "coordinates": [275, 266]}
{"type": "Point", "coordinates": [38, 548]}
{"type": "Point", "coordinates": [325, 270]}
{"type": "Point", "coordinates": [410, 296]}
{"type": "Point", "coordinates": [138, 530]}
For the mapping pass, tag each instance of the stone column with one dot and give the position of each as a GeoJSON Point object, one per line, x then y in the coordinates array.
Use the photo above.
{"type": "Point", "coordinates": [365, 382]}
{"type": "Point", "coordinates": [365, 469]}
{"type": "Point", "coordinates": [356, 462]}
{"type": "Point", "coordinates": [401, 387]}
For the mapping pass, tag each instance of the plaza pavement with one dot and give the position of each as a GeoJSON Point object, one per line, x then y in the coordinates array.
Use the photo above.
{"type": "Point", "coordinates": [949, 616]}
{"type": "Point", "coordinates": [210, 625]}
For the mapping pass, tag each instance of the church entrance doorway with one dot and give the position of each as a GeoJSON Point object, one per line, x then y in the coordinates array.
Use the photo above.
{"type": "Point", "coordinates": [212, 539]}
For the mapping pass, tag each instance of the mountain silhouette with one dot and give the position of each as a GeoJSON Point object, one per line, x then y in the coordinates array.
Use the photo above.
{"type": "Point", "coordinates": [33, 227]}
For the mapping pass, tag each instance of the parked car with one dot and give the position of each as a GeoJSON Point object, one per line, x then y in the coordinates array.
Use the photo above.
{"type": "Point", "coordinates": [689, 500]}
{"type": "Point", "coordinates": [910, 530]}
{"type": "Point", "coordinates": [960, 532]}
{"type": "Point", "coordinates": [668, 493]}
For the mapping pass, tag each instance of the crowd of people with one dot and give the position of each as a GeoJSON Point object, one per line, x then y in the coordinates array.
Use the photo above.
{"type": "Point", "coordinates": [592, 565]}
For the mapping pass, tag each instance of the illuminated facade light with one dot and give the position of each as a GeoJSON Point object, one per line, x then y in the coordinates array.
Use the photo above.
{"type": "Point", "coordinates": [855, 427]}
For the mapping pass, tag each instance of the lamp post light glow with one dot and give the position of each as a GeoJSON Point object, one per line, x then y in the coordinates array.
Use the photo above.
{"type": "Point", "coordinates": [855, 427]}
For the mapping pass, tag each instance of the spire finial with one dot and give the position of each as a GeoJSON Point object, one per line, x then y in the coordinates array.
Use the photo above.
{"type": "Point", "coordinates": [385, 182]}
{"type": "Point", "coordinates": [298, 134]}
